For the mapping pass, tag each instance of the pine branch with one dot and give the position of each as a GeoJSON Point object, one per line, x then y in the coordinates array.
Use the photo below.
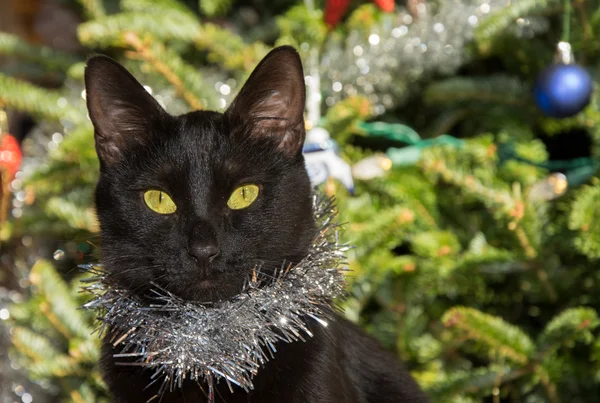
{"type": "Point", "coordinates": [54, 320]}
{"type": "Point", "coordinates": [50, 59]}
{"type": "Point", "coordinates": [213, 8]}
{"type": "Point", "coordinates": [111, 30]}
{"type": "Point", "coordinates": [48, 183]}
{"type": "Point", "coordinates": [542, 275]}
{"type": "Point", "coordinates": [77, 148]}
{"type": "Point", "coordinates": [341, 118]}
{"type": "Point", "coordinates": [157, 6]}
{"type": "Point", "coordinates": [60, 303]}
{"type": "Point", "coordinates": [228, 49]}
{"type": "Point", "coordinates": [435, 244]}
{"type": "Point", "coordinates": [496, 24]}
{"type": "Point", "coordinates": [31, 72]}
{"type": "Point", "coordinates": [75, 159]}
{"type": "Point", "coordinates": [493, 332]}
{"type": "Point", "coordinates": [77, 71]}
{"type": "Point", "coordinates": [497, 200]}
{"type": "Point", "coordinates": [32, 345]}
{"type": "Point", "coordinates": [76, 215]}
{"type": "Point", "coordinates": [570, 325]}
{"type": "Point", "coordinates": [390, 222]}
{"type": "Point", "coordinates": [582, 13]}
{"type": "Point", "coordinates": [549, 386]}
{"type": "Point", "coordinates": [39, 102]}
{"type": "Point", "coordinates": [167, 20]}
{"type": "Point", "coordinates": [94, 9]}
{"type": "Point", "coordinates": [409, 187]}
{"type": "Point", "coordinates": [86, 350]}
{"type": "Point", "coordinates": [487, 259]}
{"type": "Point", "coordinates": [500, 90]}
{"type": "Point", "coordinates": [470, 382]}
{"type": "Point", "coordinates": [65, 205]}
{"type": "Point", "coordinates": [36, 222]}
{"type": "Point", "coordinates": [303, 25]}
{"type": "Point", "coordinates": [584, 218]}
{"type": "Point", "coordinates": [74, 371]}
{"type": "Point", "coordinates": [83, 394]}
{"type": "Point", "coordinates": [185, 79]}
{"type": "Point", "coordinates": [58, 367]}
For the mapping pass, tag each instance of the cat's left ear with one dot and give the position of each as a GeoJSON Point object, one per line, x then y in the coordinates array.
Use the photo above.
{"type": "Point", "coordinates": [121, 110]}
{"type": "Point", "coordinates": [272, 101]}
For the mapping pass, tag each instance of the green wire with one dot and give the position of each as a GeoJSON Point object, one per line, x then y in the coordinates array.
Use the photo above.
{"type": "Point", "coordinates": [411, 154]}
{"type": "Point", "coordinates": [566, 21]}
{"type": "Point", "coordinates": [577, 170]}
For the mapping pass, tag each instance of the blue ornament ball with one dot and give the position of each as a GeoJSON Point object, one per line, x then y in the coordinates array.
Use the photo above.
{"type": "Point", "coordinates": [563, 90]}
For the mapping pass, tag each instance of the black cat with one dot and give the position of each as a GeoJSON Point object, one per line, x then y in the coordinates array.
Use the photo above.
{"type": "Point", "coordinates": [194, 202]}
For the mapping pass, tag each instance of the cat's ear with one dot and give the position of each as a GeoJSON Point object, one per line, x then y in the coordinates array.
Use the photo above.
{"type": "Point", "coordinates": [272, 101]}
{"type": "Point", "coordinates": [120, 109]}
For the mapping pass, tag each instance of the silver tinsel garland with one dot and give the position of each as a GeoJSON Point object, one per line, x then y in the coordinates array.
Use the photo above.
{"type": "Point", "coordinates": [383, 62]}
{"type": "Point", "coordinates": [230, 339]}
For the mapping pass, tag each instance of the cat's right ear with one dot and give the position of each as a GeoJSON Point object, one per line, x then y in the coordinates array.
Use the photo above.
{"type": "Point", "coordinates": [120, 109]}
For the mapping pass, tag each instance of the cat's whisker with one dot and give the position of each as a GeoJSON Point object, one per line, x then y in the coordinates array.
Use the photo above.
{"type": "Point", "coordinates": [134, 269]}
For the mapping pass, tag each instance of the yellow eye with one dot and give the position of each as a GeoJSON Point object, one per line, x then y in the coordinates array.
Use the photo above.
{"type": "Point", "coordinates": [243, 197]}
{"type": "Point", "coordinates": [160, 202]}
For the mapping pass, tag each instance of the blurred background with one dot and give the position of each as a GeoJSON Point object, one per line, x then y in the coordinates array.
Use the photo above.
{"type": "Point", "coordinates": [460, 137]}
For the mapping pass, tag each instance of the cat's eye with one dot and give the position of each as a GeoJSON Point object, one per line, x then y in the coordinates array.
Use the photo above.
{"type": "Point", "coordinates": [243, 197]}
{"type": "Point", "coordinates": [159, 202]}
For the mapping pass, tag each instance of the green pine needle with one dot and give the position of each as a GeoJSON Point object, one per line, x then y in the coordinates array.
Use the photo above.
{"type": "Point", "coordinates": [39, 102]}
{"type": "Point", "coordinates": [503, 90]}
{"type": "Point", "coordinates": [498, 336]}
{"type": "Point", "coordinates": [494, 26]}
{"type": "Point", "coordinates": [584, 218]}
{"type": "Point", "coordinates": [568, 326]}
{"type": "Point", "coordinates": [34, 346]}
{"type": "Point", "coordinates": [50, 59]}
{"type": "Point", "coordinates": [62, 308]}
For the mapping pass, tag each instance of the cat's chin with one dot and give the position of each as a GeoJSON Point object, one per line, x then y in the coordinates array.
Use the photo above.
{"type": "Point", "coordinates": [209, 294]}
{"type": "Point", "coordinates": [206, 283]}
{"type": "Point", "coordinates": [207, 290]}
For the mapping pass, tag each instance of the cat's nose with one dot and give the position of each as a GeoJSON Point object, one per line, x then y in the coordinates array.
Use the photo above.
{"type": "Point", "coordinates": [202, 252]}
{"type": "Point", "coordinates": [202, 245]}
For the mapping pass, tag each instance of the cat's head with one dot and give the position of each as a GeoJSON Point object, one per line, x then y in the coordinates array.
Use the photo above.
{"type": "Point", "coordinates": [195, 202]}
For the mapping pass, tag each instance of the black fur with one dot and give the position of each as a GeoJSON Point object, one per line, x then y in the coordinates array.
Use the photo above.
{"type": "Point", "coordinates": [199, 159]}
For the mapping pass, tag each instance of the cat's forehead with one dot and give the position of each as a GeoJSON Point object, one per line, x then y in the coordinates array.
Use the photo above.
{"type": "Point", "coordinates": [199, 132]}
{"type": "Point", "coordinates": [201, 147]}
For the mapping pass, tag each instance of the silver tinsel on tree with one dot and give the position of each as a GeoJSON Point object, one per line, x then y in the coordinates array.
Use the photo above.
{"type": "Point", "coordinates": [398, 51]}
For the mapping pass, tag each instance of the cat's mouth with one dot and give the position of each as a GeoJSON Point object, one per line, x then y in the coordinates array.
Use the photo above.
{"type": "Point", "coordinates": [211, 284]}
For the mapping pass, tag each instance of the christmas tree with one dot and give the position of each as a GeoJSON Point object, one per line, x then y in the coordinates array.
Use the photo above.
{"type": "Point", "coordinates": [470, 188]}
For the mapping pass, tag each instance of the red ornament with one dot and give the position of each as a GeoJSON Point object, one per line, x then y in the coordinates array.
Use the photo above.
{"type": "Point", "coordinates": [10, 154]}
{"type": "Point", "coordinates": [335, 9]}
{"type": "Point", "coordinates": [385, 5]}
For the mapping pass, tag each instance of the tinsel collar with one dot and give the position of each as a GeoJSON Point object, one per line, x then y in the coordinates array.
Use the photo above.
{"type": "Point", "coordinates": [227, 340]}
